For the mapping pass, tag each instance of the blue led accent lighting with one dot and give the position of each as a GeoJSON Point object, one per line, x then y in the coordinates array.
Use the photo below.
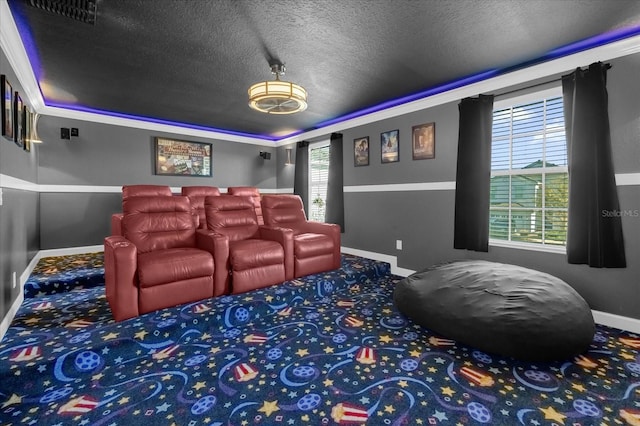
{"type": "Point", "coordinates": [414, 97]}
{"type": "Point", "coordinates": [161, 121]}
{"type": "Point", "coordinates": [28, 43]}
{"type": "Point", "coordinates": [595, 41]}
{"type": "Point", "coordinates": [579, 46]}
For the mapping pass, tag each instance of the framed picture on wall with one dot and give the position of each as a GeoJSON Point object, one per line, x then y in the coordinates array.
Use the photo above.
{"type": "Point", "coordinates": [361, 152]}
{"type": "Point", "coordinates": [17, 120]}
{"type": "Point", "coordinates": [423, 141]}
{"type": "Point", "coordinates": [390, 146]}
{"type": "Point", "coordinates": [6, 94]}
{"type": "Point", "coordinates": [183, 158]}
{"type": "Point", "coordinates": [26, 128]}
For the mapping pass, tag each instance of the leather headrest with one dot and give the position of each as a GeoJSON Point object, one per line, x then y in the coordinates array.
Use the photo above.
{"type": "Point", "coordinates": [282, 201]}
{"type": "Point", "coordinates": [244, 191]}
{"type": "Point", "coordinates": [129, 191]}
{"type": "Point", "coordinates": [199, 191]}
{"type": "Point", "coordinates": [225, 202]}
{"type": "Point", "coordinates": [156, 204]}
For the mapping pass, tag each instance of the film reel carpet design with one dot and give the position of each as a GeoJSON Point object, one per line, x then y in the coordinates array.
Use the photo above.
{"type": "Point", "coordinates": [60, 274]}
{"type": "Point", "coordinates": [323, 350]}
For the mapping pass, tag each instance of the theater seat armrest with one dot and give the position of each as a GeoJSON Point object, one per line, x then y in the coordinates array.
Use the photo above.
{"type": "Point", "coordinates": [284, 236]}
{"type": "Point", "coordinates": [205, 240]}
{"type": "Point", "coordinates": [121, 283]}
{"type": "Point", "coordinates": [218, 246]}
{"type": "Point", "coordinates": [276, 233]}
{"type": "Point", "coordinates": [330, 229]}
{"type": "Point", "coordinates": [116, 223]}
{"type": "Point", "coordinates": [319, 228]}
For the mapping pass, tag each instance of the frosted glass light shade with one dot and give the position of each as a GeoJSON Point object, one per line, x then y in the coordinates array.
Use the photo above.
{"type": "Point", "coordinates": [277, 97]}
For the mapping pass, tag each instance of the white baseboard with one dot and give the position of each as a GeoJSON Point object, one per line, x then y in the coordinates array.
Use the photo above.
{"type": "Point", "coordinates": [604, 318]}
{"type": "Point", "coordinates": [391, 260]}
{"type": "Point", "coordinates": [10, 315]}
{"type": "Point", "coordinates": [616, 321]}
{"type": "Point", "coordinates": [8, 318]}
{"type": "Point", "coordinates": [68, 251]}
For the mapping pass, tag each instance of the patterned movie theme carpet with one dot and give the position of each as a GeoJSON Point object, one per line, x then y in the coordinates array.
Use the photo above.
{"type": "Point", "coordinates": [323, 350]}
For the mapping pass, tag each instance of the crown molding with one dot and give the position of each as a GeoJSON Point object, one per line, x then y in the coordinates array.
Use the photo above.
{"type": "Point", "coordinates": [149, 125]}
{"type": "Point", "coordinates": [11, 44]}
{"type": "Point", "coordinates": [552, 68]}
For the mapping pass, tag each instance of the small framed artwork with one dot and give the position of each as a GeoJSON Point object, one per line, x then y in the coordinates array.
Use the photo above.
{"type": "Point", "coordinates": [17, 119]}
{"type": "Point", "coordinates": [424, 141]}
{"type": "Point", "coordinates": [26, 128]}
{"type": "Point", "coordinates": [390, 146]}
{"type": "Point", "coordinates": [6, 94]}
{"type": "Point", "coordinates": [361, 152]}
{"type": "Point", "coordinates": [183, 158]}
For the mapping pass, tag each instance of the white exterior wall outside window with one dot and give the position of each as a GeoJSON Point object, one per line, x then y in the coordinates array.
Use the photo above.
{"type": "Point", "coordinates": [529, 175]}
{"type": "Point", "coordinates": [318, 177]}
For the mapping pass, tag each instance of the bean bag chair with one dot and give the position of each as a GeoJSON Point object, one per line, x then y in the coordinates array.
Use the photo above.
{"type": "Point", "coordinates": [499, 308]}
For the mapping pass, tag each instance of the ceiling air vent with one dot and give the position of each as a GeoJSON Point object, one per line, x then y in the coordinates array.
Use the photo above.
{"type": "Point", "coordinates": [80, 10]}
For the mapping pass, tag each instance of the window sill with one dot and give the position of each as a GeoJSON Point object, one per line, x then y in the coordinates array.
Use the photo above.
{"type": "Point", "coordinates": [528, 246]}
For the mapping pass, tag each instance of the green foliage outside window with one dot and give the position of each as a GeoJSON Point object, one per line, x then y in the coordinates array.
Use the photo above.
{"type": "Point", "coordinates": [529, 184]}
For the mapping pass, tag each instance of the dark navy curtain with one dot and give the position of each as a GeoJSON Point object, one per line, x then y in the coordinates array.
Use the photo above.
{"type": "Point", "coordinates": [301, 174]}
{"type": "Point", "coordinates": [334, 213]}
{"type": "Point", "coordinates": [473, 174]}
{"type": "Point", "coordinates": [594, 234]}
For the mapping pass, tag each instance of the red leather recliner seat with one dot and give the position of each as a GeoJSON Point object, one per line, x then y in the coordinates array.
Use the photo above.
{"type": "Point", "coordinates": [251, 192]}
{"type": "Point", "coordinates": [316, 245]}
{"type": "Point", "coordinates": [129, 191]}
{"type": "Point", "coordinates": [247, 256]}
{"type": "Point", "coordinates": [160, 261]}
{"type": "Point", "coordinates": [196, 195]}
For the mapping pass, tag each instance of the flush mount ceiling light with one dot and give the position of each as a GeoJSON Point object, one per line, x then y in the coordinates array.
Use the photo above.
{"type": "Point", "coordinates": [277, 96]}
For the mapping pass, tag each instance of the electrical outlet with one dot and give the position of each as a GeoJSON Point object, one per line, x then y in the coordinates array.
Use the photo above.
{"type": "Point", "coordinates": [398, 244]}
{"type": "Point", "coordinates": [13, 279]}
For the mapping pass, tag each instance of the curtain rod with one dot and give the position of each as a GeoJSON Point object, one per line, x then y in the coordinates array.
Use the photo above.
{"type": "Point", "coordinates": [607, 66]}
{"type": "Point", "coordinates": [528, 87]}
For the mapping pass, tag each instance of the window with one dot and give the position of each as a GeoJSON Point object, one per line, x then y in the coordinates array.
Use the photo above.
{"type": "Point", "coordinates": [529, 175]}
{"type": "Point", "coordinates": [318, 177]}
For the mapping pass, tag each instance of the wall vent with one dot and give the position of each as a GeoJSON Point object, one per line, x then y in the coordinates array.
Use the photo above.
{"type": "Point", "coordinates": [80, 10]}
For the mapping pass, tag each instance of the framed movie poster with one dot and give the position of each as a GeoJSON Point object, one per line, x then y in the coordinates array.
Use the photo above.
{"type": "Point", "coordinates": [390, 146]}
{"type": "Point", "coordinates": [361, 152]}
{"type": "Point", "coordinates": [6, 100]}
{"type": "Point", "coordinates": [18, 121]}
{"type": "Point", "coordinates": [26, 127]}
{"type": "Point", "coordinates": [183, 158]}
{"type": "Point", "coordinates": [424, 141]}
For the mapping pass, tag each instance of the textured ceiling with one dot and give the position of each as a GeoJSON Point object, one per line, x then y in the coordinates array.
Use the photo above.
{"type": "Point", "coordinates": [191, 62]}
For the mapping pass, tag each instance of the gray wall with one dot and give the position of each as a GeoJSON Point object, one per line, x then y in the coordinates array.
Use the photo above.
{"type": "Point", "coordinates": [19, 229]}
{"type": "Point", "coordinates": [108, 155]}
{"type": "Point", "coordinates": [105, 154]}
{"type": "Point", "coordinates": [423, 220]}
{"type": "Point", "coordinates": [285, 172]}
